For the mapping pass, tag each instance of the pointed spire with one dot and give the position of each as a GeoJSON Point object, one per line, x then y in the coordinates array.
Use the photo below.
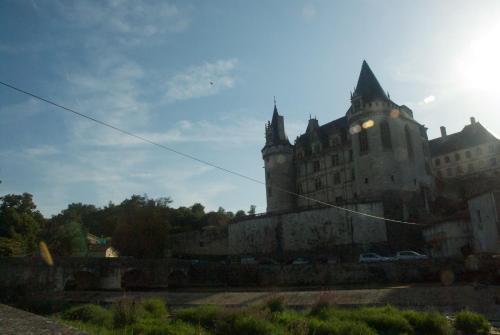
{"type": "Point", "coordinates": [368, 86]}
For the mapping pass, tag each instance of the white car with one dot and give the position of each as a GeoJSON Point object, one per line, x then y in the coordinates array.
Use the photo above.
{"type": "Point", "coordinates": [409, 255]}
{"type": "Point", "coordinates": [301, 261]}
{"type": "Point", "coordinates": [371, 257]}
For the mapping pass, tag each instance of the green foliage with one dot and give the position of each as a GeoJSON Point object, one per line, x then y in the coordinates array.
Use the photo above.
{"type": "Point", "coordinates": [126, 312]}
{"type": "Point", "coordinates": [205, 316]}
{"type": "Point", "coordinates": [154, 307]}
{"type": "Point", "coordinates": [276, 304]}
{"type": "Point", "coordinates": [89, 313]}
{"type": "Point", "coordinates": [319, 307]}
{"type": "Point", "coordinates": [10, 247]}
{"type": "Point", "coordinates": [428, 323]}
{"type": "Point", "coordinates": [385, 320]}
{"type": "Point", "coordinates": [20, 223]}
{"type": "Point", "coordinates": [471, 323]}
{"type": "Point", "coordinates": [156, 327]}
{"type": "Point", "coordinates": [249, 325]}
{"type": "Point", "coordinates": [66, 238]}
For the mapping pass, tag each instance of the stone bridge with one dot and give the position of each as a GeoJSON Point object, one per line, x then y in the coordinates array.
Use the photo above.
{"type": "Point", "coordinates": [91, 273]}
{"type": "Point", "coordinates": [125, 273]}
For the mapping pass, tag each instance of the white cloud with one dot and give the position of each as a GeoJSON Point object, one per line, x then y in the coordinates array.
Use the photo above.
{"type": "Point", "coordinates": [204, 80]}
{"type": "Point", "coordinates": [309, 12]}
{"type": "Point", "coordinates": [41, 150]}
{"type": "Point", "coordinates": [126, 17]}
{"type": "Point", "coordinates": [429, 99]}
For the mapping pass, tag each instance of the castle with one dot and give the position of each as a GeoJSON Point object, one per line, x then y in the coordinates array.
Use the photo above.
{"type": "Point", "coordinates": [390, 186]}
{"type": "Point", "coordinates": [377, 152]}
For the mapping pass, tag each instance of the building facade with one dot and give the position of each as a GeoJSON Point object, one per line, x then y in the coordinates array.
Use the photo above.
{"type": "Point", "coordinates": [376, 152]}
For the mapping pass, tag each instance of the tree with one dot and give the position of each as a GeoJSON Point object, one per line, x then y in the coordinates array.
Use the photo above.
{"type": "Point", "coordinates": [240, 214]}
{"type": "Point", "coordinates": [20, 221]}
{"type": "Point", "coordinates": [252, 210]}
{"type": "Point", "coordinates": [67, 239]}
{"type": "Point", "coordinates": [142, 228]}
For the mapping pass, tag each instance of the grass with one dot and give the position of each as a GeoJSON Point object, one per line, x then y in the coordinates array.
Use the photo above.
{"type": "Point", "coordinates": [471, 323]}
{"type": "Point", "coordinates": [150, 317]}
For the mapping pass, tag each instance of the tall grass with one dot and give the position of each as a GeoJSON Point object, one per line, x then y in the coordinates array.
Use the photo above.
{"type": "Point", "coordinates": [150, 317]}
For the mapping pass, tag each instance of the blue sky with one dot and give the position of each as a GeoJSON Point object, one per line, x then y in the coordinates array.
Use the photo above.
{"type": "Point", "coordinates": [147, 67]}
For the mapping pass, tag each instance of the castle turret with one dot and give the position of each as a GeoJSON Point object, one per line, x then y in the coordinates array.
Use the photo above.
{"type": "Point", "coordinates": [389, 147]}
{"type": "Point", "coordinates": [279, 166]}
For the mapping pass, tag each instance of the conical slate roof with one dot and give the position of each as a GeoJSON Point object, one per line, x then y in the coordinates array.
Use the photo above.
{"type": "Point", "coordinates": [368, 86]}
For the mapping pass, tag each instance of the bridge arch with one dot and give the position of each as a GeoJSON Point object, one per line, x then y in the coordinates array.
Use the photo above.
{"type": "Point", "coordinates": [82, 280]}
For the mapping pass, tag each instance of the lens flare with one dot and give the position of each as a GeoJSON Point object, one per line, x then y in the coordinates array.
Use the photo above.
{"type": "Point", "coordinates": [45, 253]}
{"type": "Point", "coordinates": [355, 129]}
{"type": "Point", "coordinates": [368, 124]}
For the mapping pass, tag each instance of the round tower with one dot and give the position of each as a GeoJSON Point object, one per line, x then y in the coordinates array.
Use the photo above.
{"type": "Point", "coordinates": [389, 146]}
{"type": "Point", "coordinates": [279, 166]}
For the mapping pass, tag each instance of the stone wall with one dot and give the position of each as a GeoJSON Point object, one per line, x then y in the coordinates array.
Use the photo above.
{"type": "Point", "coordinates": [485, 222]}
{"type": "Point", "coordinates": [210, 241]}
{"type": "Point", "coordinates": [448, 238]}
{"type": "Point", "coordinates": [320, 230]}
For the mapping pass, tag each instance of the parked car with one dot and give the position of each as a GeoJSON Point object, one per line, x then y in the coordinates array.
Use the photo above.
{"type": "Point", "coordinates": [268, 261]}
{"type": "Point", "coordinates": [410, 255]}
{"type": "Point", "coordinates": [248, 260]}
{"type": "Point", "coordinates": [371, 257]}
{"type": "Point", "coordinates": [301, 261]}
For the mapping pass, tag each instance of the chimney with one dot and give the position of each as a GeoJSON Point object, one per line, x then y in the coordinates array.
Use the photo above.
{"type": "Point", "coordinates": [443, 131]}
{"type": "Point", "coordinates": [472, 120]}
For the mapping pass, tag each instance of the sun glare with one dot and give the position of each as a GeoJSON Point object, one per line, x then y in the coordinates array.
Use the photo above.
{"type": "Point", "coordinates": [479, 64]}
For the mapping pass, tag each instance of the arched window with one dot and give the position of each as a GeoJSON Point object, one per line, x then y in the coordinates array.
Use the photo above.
{"type": "Point", "coordinates": [363, 141]}
{"type": "Point", "coordinates": [385, 134]}
{"type": "Point", "coordinates": [409, 144]}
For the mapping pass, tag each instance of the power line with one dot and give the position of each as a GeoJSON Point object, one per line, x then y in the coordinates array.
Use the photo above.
{"type": "Point", "coordinates": [128, 133]}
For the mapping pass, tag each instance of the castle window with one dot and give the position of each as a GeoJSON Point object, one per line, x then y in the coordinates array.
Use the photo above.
{"type": "Point", "coordinates": [300, 155]}
{"type": "Point", "coordinates": [470, 167]}
{"type": "Point", "coordinates": [335, 160]}
{"type": "Point", "coordinates": [392, 178]}
{"type": "Point", "coordinates": [493, 161]}
{"type": "Point", "coordinates": [339, 200]}
{"type": "Point", "coordinates": [350, 155]}
{"type": "Point", "coordinates": [437, 162]}
{"type": "Point", "coordinates": [409, 144]}
{"type": "Point", "coordinates": [317, 184]}
{"type": "Point", "coordinates": [363, 141]}
{"type": "Point", "coordinates": [467, 154]}
{"type": "Point", "coordinates": [459, 170]}
{"type": "Point", "coordinates": [446, 159]}
{"type": "Point", "coordinates": [439, 174]}
{"type": "Point", "coordinates": [269, 193]}
{"type": "Point", "coordinates": [449, 172]}
{"type": "Point", "coordinates": [353, 175]}
{"type": "Point", "coordinates": [299, 188]}
{"type": "Point", "coordinates": [457, 156]}
{"type": "Point", "coordinates": [385, 134]}
{"type": "Point", "coordinates": [336, 178]}
{"type": "Point", "coordinates": [315, 166]}
{"type": "Point", "coordinates": [316, 148]}
{"type": "Point", "coordinates": [366, 180]}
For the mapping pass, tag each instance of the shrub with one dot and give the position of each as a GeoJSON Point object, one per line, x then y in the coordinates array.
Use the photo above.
{"type": "Point", "coordinates": [471, 323]}
{"type": "Point", "coordinates": [154, 307]}
{"type": "Point", "coordinates": [428, 323]}
{"type": "Point", "coordinates": [319, 307]}
{"type": "Point", "coordinates": [276, 304]}
{"type": "Point", "coordinates": [294, 322]}
{"type": "Point", "coordinates": [355, 328]}
{"type": "Point", "coordinates": [205, 316]}
{"type": "Point", "coordinates": [159, 327]}
{"type": "Point", "coordinates": [126, 312]}
{"type": "Point", "coordinates": [249, 325]}
{"type": "Point", "coordinates": [93, 314]}
{"type": "Point", "coordinates": [386, 320]}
